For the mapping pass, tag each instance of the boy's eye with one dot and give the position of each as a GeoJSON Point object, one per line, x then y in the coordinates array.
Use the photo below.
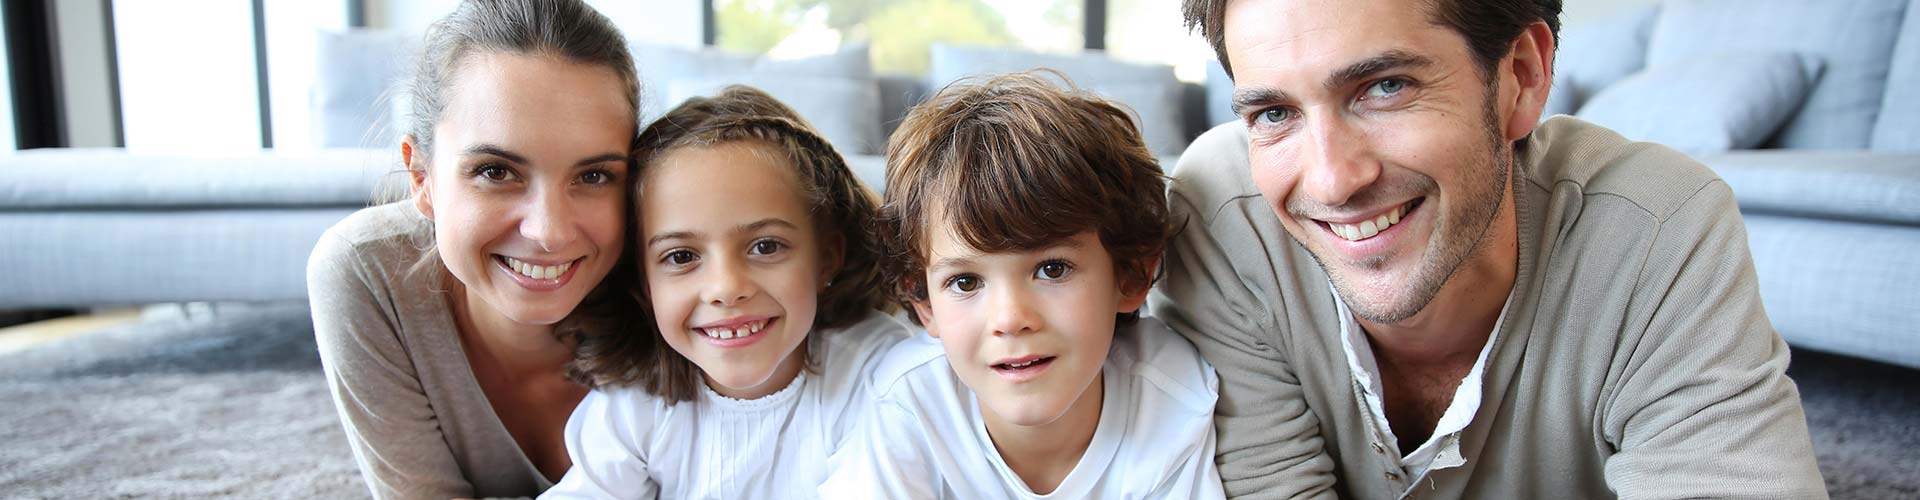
{"type": "Point", "coordinates": [1053, 270]}
{"type": "Point", "coordinates": [678, 257]}
{"type": "Point", "coordinates": [963, 284]}
{"type": "Point", "coordinates": [766, 247]}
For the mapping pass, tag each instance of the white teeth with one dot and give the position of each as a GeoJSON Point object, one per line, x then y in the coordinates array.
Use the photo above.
{"type": "Point", "coordinates": [733, 333]}
{"type": "Point", "coordinates": [538, 272]}
{"type": "Point", "coordinates": [1369, 228]}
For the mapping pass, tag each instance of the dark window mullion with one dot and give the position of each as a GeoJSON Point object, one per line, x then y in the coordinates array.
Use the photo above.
{"type": "Point", "coordinates": [1095, 18]}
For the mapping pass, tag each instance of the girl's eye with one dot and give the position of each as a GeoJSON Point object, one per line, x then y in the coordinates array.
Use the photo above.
{"type": "Point", "coordinates": [1386, 88]}
{"type": "Point", "coordinates": [1271, 116]}
{"type": "Point", "coordinates": [1053, 270]}
{"type": "Point", "coordinates": [678, 257]}
{"type": "Point", "coordinates": [766, 247]}
{"type": "Point", "coordinates": [963, 284]}
{"type": "Point", "coordinates": [493, 172]}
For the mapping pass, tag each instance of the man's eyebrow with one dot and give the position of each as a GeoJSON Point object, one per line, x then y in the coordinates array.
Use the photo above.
{"type": "Point", "coordinates": [1366, 68]}
{"type": "Point", "coordinates": [1248, 100]}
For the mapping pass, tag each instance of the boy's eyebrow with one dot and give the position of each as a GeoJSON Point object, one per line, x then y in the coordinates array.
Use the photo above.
{"type": "Point", "coordinates": [961, 261]}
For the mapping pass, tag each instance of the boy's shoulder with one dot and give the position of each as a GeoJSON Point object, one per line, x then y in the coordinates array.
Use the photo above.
{"type": "Point", "coordinates": [1166, 362]}
{"type": "Point", "coordinates": [918, 357]}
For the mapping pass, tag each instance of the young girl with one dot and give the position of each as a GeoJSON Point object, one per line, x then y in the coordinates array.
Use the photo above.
{"type": "Point", "coordinates": [764, 287]}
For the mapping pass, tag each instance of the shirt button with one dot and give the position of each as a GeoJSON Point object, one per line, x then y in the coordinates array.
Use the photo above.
{"type": "Point", "coordinates": [1378, 449]}
{"type": "Point", "coordinates": [1392, 477]}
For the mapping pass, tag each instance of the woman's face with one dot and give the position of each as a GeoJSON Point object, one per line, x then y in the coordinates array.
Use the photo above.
{"type": "Point", "coordinates": [527, 182]}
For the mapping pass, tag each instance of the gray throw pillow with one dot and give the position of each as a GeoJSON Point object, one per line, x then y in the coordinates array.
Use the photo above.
{"type": "Point", "coordinates": [355, 97]}
{"type": "Point", "coordinates": [1708, 103]}
{"type": "Point", "coordinates": [1149, 90]}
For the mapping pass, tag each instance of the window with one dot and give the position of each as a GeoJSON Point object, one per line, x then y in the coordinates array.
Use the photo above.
{"type": "Point", "coordinates": [900, 31]}
{"type": "Point", "coordinates": [1152, 31]}
{"type": "Point", "coordinates": [187, 76]}
{"type": "Point", "coordinates": [7, 144]}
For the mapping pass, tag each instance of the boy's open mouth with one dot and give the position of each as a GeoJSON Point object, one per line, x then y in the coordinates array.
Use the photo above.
{"type": "Point", "coordinates": [1023, 364]}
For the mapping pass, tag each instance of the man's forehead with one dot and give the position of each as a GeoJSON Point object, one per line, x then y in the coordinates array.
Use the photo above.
{"type": "Point", "coordinates": [1314, 37]}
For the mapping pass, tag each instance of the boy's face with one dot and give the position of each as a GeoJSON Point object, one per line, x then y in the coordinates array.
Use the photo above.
{"type": "Point", "coordinates": [1027, 330]}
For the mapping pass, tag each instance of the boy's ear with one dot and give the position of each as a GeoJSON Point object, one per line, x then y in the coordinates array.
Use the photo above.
{"type": "Point", "coordinates": [925, 311]}
{"type": "Point", "coordinates": [1135, 296]}
{"type": "Point", "coordinates": [416, 176]}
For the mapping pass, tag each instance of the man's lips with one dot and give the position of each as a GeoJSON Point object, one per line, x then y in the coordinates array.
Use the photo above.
{"type": "Point", "coordinates": [1362, 227]}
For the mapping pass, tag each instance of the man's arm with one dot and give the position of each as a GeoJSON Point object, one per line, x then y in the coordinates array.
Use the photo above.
{"type": "Point", "coordinates": [1703, 407]}
{"type": "Point", "coordinates": [1269, 442]}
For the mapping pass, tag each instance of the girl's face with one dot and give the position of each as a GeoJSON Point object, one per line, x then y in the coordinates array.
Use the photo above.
{"type": "Point", "coordinates": [527, 183]}
{"type": "Point", "coordinates": [733, 265]}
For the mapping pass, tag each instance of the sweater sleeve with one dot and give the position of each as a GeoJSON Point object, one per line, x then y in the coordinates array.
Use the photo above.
{"type": "Point", "coordinates": [1269, 442]}
{"type": "Point", "coordinates": [1704, 407]}
{"type": "Point", "coordinates": [390, 425]}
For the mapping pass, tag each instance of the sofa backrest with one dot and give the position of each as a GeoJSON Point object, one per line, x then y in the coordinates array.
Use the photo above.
{"type": "Point", "coordinates": [1594, 55]}
{"type": "Point", "coordinates": [1899, 126]}
{"type": "Point", "coordinates": [1853, 39]}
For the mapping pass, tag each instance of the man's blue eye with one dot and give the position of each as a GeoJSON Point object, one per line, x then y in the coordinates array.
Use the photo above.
{"type": "Point", "coordinates": [1274, 115]}
{"type": "Point", "coordinates": [1387, 87]}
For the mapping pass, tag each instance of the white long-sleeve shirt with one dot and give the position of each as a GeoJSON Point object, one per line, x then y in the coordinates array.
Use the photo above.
{"type": "Point", "coordinates": [925, 438]}
{"type": "Point", "coordinates": [628, 443]}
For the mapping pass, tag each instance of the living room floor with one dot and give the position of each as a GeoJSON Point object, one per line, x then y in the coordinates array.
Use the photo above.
{"type": "Point", "coordinates": [228, 401]}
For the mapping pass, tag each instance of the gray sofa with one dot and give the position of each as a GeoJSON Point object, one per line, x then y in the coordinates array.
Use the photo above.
{"type": "Point", "coordinates": [1831, 191]}
{"type": "Point", "coordinates": [104, 227]}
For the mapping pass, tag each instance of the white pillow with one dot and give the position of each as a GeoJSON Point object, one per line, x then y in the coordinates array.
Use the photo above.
{"type": "Point", "coordinates": [1708, 103]}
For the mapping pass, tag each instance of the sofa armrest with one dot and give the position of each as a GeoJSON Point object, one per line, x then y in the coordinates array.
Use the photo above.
{"type": "Point", "coordinates": [1842, 185]}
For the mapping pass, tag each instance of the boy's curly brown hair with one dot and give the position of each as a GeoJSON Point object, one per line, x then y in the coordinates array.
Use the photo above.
{"type": "Point", "coordinates": [1016, 162]}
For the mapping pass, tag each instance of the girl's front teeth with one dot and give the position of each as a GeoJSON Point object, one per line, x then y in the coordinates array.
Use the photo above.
{"type": "Point", "coordinates": [735, 332]}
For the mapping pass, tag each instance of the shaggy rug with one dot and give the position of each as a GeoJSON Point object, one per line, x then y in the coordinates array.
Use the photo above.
{"type": "Point", "coordinates": [230, 402]}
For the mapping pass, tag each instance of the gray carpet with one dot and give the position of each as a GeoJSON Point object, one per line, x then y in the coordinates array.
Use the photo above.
{"type": "Point", "coordinates": [230, 403]}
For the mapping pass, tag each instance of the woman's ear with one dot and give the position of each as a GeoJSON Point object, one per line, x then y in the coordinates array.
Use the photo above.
{"type": "Point", "coordinates": [416, 176]}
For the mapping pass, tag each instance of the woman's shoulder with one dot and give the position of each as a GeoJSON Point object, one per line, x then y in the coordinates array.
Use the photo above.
{"type": "Point", "coordinates": [374, 243]}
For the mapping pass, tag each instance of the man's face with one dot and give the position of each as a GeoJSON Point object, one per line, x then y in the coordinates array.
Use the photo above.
{"type": "Point", "coordinates": [1375, 138]}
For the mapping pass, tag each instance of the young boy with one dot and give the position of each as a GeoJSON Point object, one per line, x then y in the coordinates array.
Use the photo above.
{"type": "Point", "coordinates": [1026, 223]}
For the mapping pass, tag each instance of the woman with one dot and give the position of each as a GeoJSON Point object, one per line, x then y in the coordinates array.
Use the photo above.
{"type": "Point", "coordinates": [435, 315]}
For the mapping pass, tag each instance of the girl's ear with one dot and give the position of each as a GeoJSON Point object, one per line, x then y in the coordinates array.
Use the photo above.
{"type": "Point", "coordinates": [833, 255]}
{"type": "Point", "coordinates": [416, 176]}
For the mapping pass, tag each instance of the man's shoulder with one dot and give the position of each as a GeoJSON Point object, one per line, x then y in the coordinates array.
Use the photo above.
{"type": "Point", "coordinates": [1567, 152]}
{"type": "Point", "coordinates": [1213, 171]}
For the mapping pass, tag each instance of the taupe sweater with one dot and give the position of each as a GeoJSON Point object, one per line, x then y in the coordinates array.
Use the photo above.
{"type": "Point", "coordinates": [1635, 359]}
{"type": "Point", "coordinates": [419, 425]}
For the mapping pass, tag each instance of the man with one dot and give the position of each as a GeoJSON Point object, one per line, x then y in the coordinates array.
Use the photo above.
{"type": "Point", "coordinates": [1413, 288]}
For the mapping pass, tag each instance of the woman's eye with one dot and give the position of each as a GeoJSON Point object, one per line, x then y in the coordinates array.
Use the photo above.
{"type": "Point", "coordinates": [1053, 270]}
{"type": "Point", "coordinates": [493, 172]}
{"type": "Point", "coordinates": [963, 284]}
{"type": "Point", "coordinates": [766, 247]}
{"type": "Point", "coordinates": [1386, 88]}
{"type": "Point", "coordinates": [596, 177]}
{"type": "Point", "coordinates": [678, 257]}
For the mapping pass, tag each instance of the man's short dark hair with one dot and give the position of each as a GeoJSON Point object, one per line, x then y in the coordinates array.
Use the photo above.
{"type": "Point", "coordinates": [1489, 26]}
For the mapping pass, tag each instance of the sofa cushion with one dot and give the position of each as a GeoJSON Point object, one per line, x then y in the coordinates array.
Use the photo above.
{"type": "Point", "coordinates": [356, 87]}
{"type": "Point", "coordinates": [1844, 287]}
{"type": "Point", "coordinates": [698, 71]}
{"type": "Point", "coordinates": [845, 111]}
{"type": "Point", "coordinates": [1594, 55]}
{"type": "Point", "coordinates": [1838, 185]}
{"type": "Point", "coordinates": [1150, 91]}
{"type": "Point", "coordinates": [1710, 103]}
{"type": "Point", "coordinates": [111, 178]}
{"type": "Point", "coordinates": [1854, 38]}
{"type": "Point", "coordinates": [1899, 126]}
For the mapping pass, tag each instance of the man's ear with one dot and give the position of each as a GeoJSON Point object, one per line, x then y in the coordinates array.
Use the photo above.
{"type": "Point", "coordinates": [1136, 296]}
{"type": "Point", "coordinates": [925, 311]}
{"type": "Point", "coordinates": [416, 176]}
{"type": "Point", "coordinates": [1530, 64]}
